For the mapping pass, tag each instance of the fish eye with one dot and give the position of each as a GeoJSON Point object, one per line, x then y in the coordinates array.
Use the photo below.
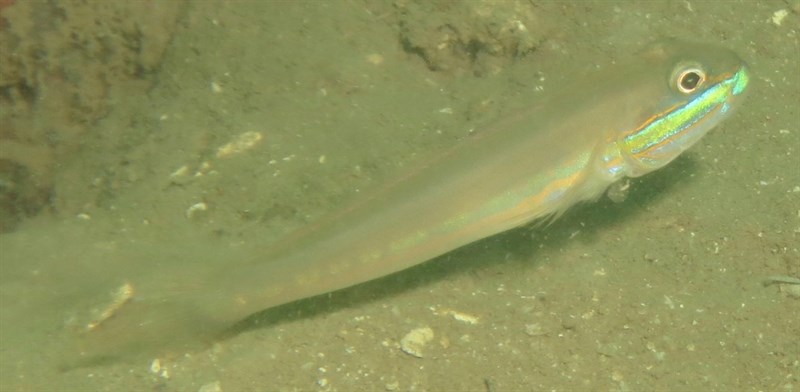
{"type": "Point", "coordinates": [690, 79]}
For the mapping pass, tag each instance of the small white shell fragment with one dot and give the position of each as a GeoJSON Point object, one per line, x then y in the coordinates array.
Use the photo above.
{"type": "Point", "coordinates": [457, 315]}
{"type": "Point", "coordinates": [414, 341]}
{"type": "Point", "coordinates": [180, 172]}
{"type": "Point", "coordinates": [464, 317]}
{"type": "Point", "coordinates": [155, 366]}
{"type": "Point", "coordinates": [777, 17]}
{"type": "Point", "coordinates": [241, 143]}
{"type": "Point", "coordinates": [195, 208]}
{"type": "Point", "coordinates": [158, 369]}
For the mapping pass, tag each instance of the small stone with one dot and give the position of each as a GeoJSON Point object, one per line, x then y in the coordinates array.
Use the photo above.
{"type": "Point", "coordinates": [414, 341]}
{"type": "Point", "coordinates": [196, 209]}
{"type": "Point", "coordinates": [392, 385]}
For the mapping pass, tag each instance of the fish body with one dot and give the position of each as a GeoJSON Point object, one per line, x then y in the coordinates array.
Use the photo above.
{"type": "Point", "coordinates": [624, 121]}
{"type": "Point", "coordinates": [531, 165]}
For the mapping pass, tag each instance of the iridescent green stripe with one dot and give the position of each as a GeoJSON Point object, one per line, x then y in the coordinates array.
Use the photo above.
{"type": "Point", "coordinates": [741, 80]}
{"type": "Point", "coordinates": [664, 131]}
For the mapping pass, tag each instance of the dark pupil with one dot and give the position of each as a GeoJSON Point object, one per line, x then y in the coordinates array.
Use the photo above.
{"type": "Point", "coordinates": [690, 80]}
